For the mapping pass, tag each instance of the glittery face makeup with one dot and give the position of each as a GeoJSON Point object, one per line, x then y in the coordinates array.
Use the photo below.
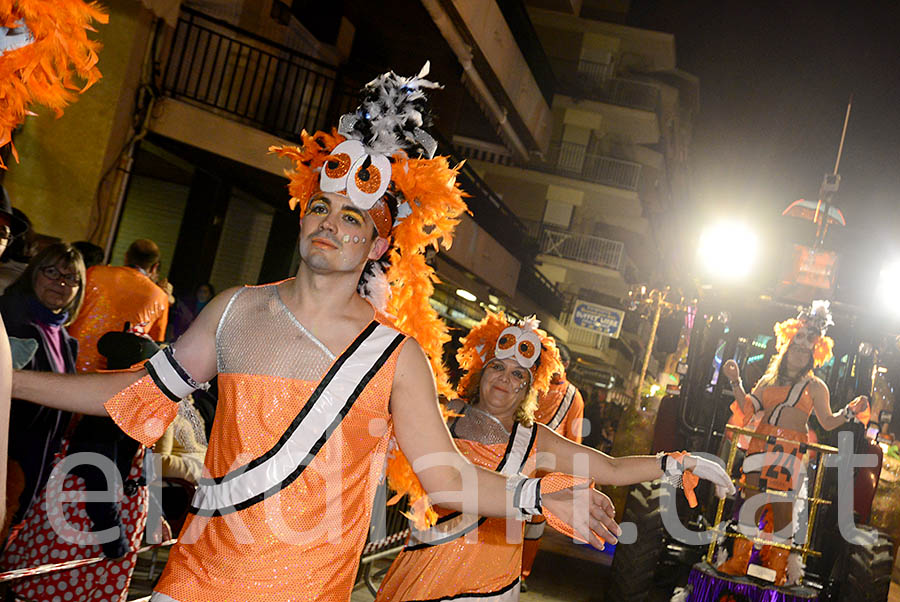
{"type": "Point", "coordinates": [502, 384]}
{"type": "Point", "coordinates": [330, 232]}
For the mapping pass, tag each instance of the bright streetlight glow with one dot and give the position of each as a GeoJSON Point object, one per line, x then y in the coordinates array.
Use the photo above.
{"type": "Point", "coordinates": [889, 285]}
{"type": "Point", "coordinates": [727, 250]}
{"type": "Point", "coordinates": [466, 294]}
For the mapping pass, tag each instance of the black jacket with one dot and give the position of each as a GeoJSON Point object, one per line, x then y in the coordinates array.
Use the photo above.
{"type": "Point", "coordinates": [35, 431]}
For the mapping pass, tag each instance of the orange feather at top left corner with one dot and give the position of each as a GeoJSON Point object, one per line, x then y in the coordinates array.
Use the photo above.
{"type": "Point", "coordinates": [46, 57]}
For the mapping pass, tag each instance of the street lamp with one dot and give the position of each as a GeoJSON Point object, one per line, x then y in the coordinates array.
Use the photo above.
{"type": "Point", "coordinates": [656, 301]}
{"type": "Point", "coordinates": [889, 285]}
{"type": "Point", "coordinates": [727, 250]}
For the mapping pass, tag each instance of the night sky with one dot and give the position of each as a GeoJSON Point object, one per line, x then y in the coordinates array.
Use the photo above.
{"type": "Point", "coordinates": [775, 78]}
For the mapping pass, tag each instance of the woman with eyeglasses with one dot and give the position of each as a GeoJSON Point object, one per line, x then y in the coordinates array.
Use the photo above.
{"type": "Point", "coordinates": [39, 306]}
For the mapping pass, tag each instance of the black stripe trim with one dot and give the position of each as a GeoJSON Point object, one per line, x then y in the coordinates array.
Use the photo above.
{"type": "Point", "coordinates": [447, 517]}
{"type": "Point", "coordinates": [509, 447]}
{"type": "Point", "coordinates": [301, 416]}
{"type": "Point", "coordinates": [500, 466]}
{"type": "Point", "coordinates": [475, 595]}
{"type": "Point", "coordinates": [325, 436]}
{"type": "Point", "coordinates": [776, 413]}
{"type": "Point", "coordinates": [756, 402]}
{"type": "Point", "coordinates": [563, 408]}
{"type": "Point", "coordinates": [450, 536]}
{"type": "Point", "coordinates": [159, 383]}
{"type": "Point", "coordinates": [169, 353]}
{"type": "Point", "coordinates": [528, 448]}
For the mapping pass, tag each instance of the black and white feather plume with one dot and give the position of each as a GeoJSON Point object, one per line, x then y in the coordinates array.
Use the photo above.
{"type": "Point", "coordinates": [392, 115]}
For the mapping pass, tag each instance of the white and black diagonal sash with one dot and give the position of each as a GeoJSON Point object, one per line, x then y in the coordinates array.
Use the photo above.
{"type": "Point", "coordinates": [457, 524]}
{"type": "Point", "coordinates": [307, 433]}
{"type": "Point", "coordinates": [563, 408]}
{"type": "Point", "coordinates": [789, 402]}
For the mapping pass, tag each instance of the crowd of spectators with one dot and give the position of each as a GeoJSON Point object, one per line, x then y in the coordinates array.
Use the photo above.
{"type": "Point", "coordinates": [66, 310]}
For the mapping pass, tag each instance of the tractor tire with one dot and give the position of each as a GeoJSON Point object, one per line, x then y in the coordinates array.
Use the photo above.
{"type": "Point", "coordinates": [867, 572]}
{"type": "Point", "coordinates": [634, 565]}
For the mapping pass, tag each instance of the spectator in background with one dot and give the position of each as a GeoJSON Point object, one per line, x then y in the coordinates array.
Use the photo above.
{"type": "Point", "coordinates": [121, 298]}
{"type": "Point", "coordinates": [39, 305]}
{"type": "Point", "coordinates": [91, 253]}
{"type": "Point", "coordinates": [188, 308]}
{"type": "Point", "coordinates": [18, 245]}
{"type": "Point", "coordinates": [10, 227]}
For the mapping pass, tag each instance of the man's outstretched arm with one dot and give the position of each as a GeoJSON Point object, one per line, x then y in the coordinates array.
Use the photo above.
{"type": "Point", "coordinates": [455, 483]}
{"type": "Point", "coordinates": [86, 393]}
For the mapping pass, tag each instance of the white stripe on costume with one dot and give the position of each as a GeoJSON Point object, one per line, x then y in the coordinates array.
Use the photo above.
{"type": "Point", "coordinates": [459, 525]}
{"type": "Point", "coordinates": [241, 485]}
{"type": "Point", "coordinates": [563, 408]}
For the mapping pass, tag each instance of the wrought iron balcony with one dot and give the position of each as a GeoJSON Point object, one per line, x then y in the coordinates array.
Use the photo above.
{"type": "Point", "coordinates": [596, 81]}
{"type": "Point", "coordinates": [279, 90]}
{"type": "Point", "coordinates": [577, 161]}
{"type": "Point", "coordinates": [584, 248]}
{"type": "Point", "coordinates": [252, 79]}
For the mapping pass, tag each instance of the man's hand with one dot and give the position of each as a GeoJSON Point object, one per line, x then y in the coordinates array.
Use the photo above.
{"type": "Point", "coordinates": [580, 511]}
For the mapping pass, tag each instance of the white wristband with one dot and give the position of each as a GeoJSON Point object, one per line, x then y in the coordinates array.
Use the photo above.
{"type": "Point", "coordinates": [526, 495]}
{"type": "Point", "coordinates": [171, 378]}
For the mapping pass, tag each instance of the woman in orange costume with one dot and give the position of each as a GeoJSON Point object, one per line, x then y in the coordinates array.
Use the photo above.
{"type": "Point", "coordinates": [780, 405]}
{"type": "Point", "coordinates": [464, 555]}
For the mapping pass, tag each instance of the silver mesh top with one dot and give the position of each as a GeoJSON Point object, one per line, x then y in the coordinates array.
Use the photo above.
{"type": "Point", "coordinates": [475, 424]}
{"type": "Point", "coordinates": [258, 334]}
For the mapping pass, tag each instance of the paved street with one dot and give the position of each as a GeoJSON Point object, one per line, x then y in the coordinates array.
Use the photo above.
{"type": "Point", "coordinates": [563, 572]}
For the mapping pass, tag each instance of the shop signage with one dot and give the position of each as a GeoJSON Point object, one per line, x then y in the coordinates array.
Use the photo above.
{"type": "Point", "coordinates": [598, 319]}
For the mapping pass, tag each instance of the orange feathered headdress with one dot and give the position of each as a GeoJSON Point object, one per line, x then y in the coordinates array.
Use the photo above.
{"type": "Point", "coordinates": [49, 52]}
{"type": "Point", "coordinates": [495, 336]}
{"type": "Point", "coordinates": [376, 142]}
{"type": "Point", "coordinates": [382, 149]}
{"type": "Point", "coordinates": [816, 319]}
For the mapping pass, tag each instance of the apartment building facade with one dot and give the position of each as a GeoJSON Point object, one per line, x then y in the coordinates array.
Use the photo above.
{"type": "Point", "coordinates": [598, 200]}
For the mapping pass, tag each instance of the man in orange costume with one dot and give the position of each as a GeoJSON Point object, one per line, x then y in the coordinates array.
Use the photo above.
{"type": "Point", "coordinates": [562, 409]}
{"type": "Point", "coordinates": [318, 388]}
{"type": "Point", "coordinates": [118, 295]}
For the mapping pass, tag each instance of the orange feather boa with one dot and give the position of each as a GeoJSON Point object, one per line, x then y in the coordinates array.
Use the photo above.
{"type": "Point", "coordinates": [45, 71]}
{"type": "Point", "coordinates": [436, 200]}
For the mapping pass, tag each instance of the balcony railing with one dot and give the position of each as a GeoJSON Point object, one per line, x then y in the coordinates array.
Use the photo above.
{"type": "Point", "coordinates": [282, 91]}
{"type": "Point", "coordinates": [270, 86]}
{"type": "Point", "coordinates": [576, 161]}
{"type": "Point", "coordinates": [596, 81]}
{"type": "Point", "coordinates": [584, 248]}
{"type": "Point", "coordinates": [567, 159]}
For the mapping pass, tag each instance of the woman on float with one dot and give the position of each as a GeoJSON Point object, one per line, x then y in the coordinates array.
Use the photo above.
{"type": "Point", "coordinates": [506, 367]}
{"type": "Point", "coordinates": [780, 405]}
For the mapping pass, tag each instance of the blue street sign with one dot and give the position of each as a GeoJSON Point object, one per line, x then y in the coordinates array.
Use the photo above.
{"type": "Point", "coordinates": [598, 318]}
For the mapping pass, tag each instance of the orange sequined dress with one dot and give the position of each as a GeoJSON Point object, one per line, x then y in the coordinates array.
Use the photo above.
{"type": "Point", "coordinates": [779, 463]}
{"type": "Point", "coordinates": [114, 295]}
{"type": "Point", "coordinates": [465, 556]}
{"type": "Point", "coordinates": [296, 451]}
